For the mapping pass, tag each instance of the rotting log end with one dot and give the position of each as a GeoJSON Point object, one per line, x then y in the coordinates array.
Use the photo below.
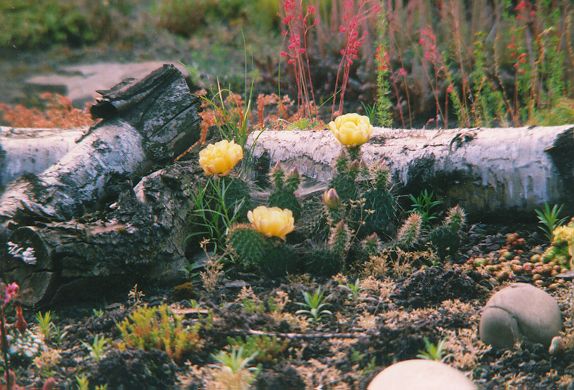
{"type": "Point", "coordinates": [29, 263]}
{"type": "Point", "coordinates": [561, 152]}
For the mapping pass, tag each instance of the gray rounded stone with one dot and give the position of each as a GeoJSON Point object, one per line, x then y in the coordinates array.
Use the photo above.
{"type": "Point", "coordinates": [520, 311]}
{"type": "Point", "coordinates": [418, 374]}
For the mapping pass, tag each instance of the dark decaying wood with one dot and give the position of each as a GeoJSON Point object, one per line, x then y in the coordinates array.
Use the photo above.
{"type": "Point", "coordinates": [146, 123]}
{"type": "Point", "coordinates": [141, 239]}
{"type": "Point", "coordinates": [59, 236]}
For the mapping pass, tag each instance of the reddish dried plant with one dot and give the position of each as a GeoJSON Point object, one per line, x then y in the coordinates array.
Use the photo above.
{"type": "Point", "coordinates": [297, 22]}
{"type": "Point", "coordinates": [282, 106]}
{"type": "Point", "coordinates": [57, 112]}
{"type": "Point", "coordinates": [355, 34]}
{"type": "Point", "coordinates": [433, 56]}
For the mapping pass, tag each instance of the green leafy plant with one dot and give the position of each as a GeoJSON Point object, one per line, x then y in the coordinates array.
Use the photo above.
{"type": "Point", "coordinates": [45, 325]}
{"type": "Point", "coordinates": [158, 328]}
{"type": "Point", "coordinates": [354, 289]}
{"type": "Point", "coordinates": [82, 382]}
{"type": "Point", "coordinates": [549, 219]}
{"type": "Point", "coordinates": [425, 205]}
{"type": "Point", "coordinates": [370, 110]}
{"type": "Point", "coordinates": [217, 206]}
{"type": "Point", "coordinates": [97, 347]}
{"type": "Point", "coordinates": [52, 333]}
{"type": "Point", "coordinates": [98, 313]}
{"type": "Point", "coordinates": [433, 351]}
{"type": "Point", "coordinates": [235, 370]}
{"type": "Point", "coordinates": [314, 304]}
{"type": "Point", "coordinates": [264, 349]}
{"type": "Point", "coordinates": [382, 110]}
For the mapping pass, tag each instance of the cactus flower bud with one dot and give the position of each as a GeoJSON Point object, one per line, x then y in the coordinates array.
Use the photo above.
{"type": "Point", "coordinates": [20, 323]}
{"type": "Point", "coordinates": [10, 292]}
{"type": "Point", "coordinates": [331, 199]}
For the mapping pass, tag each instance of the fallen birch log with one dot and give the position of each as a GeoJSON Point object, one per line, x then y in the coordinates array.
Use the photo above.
{"type": "Point", "coordinates": [145, 123]}
{"type": "Point", "coordinates": [494, 173]}
{"type": "Point", "coordinates": [31, 151]}
{"type": "Point", "coordinates": [141, 239]}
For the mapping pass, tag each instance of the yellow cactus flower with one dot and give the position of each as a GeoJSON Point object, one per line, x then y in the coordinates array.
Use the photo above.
{"type": "Point", "coordinates": [351, 129]}
{"type": "Point", "coordinates": [220, 158]}
{"type": "Point", "coordinates": [272, 221]}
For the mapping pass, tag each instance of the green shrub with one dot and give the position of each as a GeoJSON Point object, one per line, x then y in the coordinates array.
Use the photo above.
{"type": "Point", "coordinates": [562, 113]}
{"type": "Point", "coordinates": [183, 17]}
{"type": "Point", "coordinates": [34, 24]}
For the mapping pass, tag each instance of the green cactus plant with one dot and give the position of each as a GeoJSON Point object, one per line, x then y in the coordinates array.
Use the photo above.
{"type": "Point", "coordinates": [321, 261]}
{"type": "Point", "coordinates": [371, 245]}
{"type": "Point", "coordinates": [446, 238]}
{"type": "Point", "coordinates": [380, 200]}
{"type": "Point", "coordinates": [250, 246]}
{"type": "Point", "coordinates": [346, 173]}
{"type": "Point", "coordinates": [340, 240]}
{"type": "Point", "coordinates": [253, 250]}
{"type": "Point", "coordinates": [444, 241]}
{"type": "Point", "coordinates": [410, 232]}
{"type": "Point", "coordinates": [455, 218]}
{"type": "Point", "coordinates": [284, 187]}
{"type": "Point", "coordinates": [279, 260]}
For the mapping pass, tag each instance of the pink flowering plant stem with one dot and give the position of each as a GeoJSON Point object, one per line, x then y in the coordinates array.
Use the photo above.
{"type": "Point", "coordinates": [354, 18]}
{"type": "Point", "coordinates": [433, 56]}
{"type": "Point", "coordinates": [7, 294]}
{"type": "Point", "coordinates": [297, 22]}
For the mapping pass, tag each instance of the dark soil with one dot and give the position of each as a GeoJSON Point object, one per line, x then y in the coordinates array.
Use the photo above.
{"type": "Point", "coordinates": [387, 322]}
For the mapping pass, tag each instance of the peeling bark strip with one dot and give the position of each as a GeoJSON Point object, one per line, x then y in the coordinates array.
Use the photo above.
{"type": "Point", "coordinates": [490, 172]}
{"type": "Point", "coordinates": [141, 239]}
{"type": "Point", "coordinates": [32, 150]}
{"type": "Point", "coordinates": [145, 123]}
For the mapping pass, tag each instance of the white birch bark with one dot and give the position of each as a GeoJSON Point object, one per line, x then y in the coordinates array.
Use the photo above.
{"type": "Point", "coordinates": [488, 171]}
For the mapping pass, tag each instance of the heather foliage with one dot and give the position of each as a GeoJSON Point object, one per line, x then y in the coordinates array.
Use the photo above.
{"type": "Point", "coordinates": [52, 111]}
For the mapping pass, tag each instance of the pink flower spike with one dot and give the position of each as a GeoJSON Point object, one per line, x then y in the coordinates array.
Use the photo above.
{"type": "Point", "coordinates": [10, 292]}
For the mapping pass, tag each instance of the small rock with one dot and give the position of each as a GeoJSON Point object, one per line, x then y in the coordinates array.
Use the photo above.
{"type": "Point", "coordinates": [418, 374]}
{"type": "Point", "coordinates": [80, 82]}
{"type": "Point", "coordinates": [520, 311]}
{"type": "Point", "coordinates": [236, 284]}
